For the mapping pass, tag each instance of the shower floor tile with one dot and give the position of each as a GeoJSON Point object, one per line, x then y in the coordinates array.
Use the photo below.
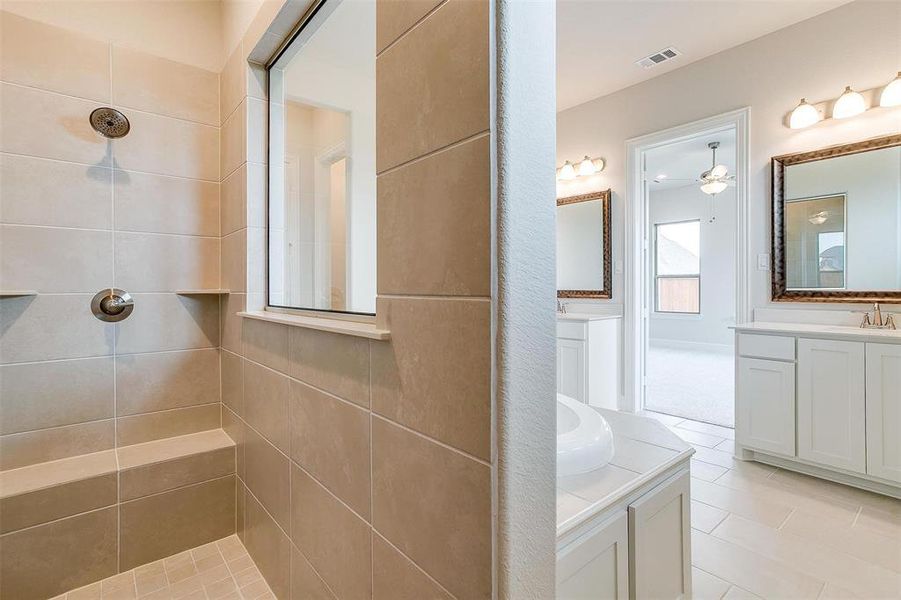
{"type": "Point", "coordinates": [220, 570]}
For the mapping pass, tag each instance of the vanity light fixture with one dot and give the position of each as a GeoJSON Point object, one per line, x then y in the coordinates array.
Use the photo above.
{"type": "Point", "coordinates": [891, 95]}
{"type": "Point", "coordinates": [804, 115]}
{"type": "Point", "coordinates": [587, 166]}
{"type": "Point", "coordinates": [849, 104]}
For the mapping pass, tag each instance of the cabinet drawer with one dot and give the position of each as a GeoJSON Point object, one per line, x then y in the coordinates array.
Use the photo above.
{"type": "Point", "coordinates": [571, 330]}
{"type": "Point", "coordinates": [776, 347]}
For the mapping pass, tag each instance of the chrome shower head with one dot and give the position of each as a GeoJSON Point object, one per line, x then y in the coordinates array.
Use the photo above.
{"type": "Point", "coordinates": [109, 122]}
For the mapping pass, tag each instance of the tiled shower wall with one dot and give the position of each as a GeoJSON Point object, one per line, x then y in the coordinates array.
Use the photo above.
{"type": "Point", "coordinates": [78, 214]}
{"type": "Point", "coordinates": [365, 466]}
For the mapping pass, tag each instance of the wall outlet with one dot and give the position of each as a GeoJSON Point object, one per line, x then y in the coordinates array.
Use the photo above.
{"type": "Point", "coordinates": [763, 262]}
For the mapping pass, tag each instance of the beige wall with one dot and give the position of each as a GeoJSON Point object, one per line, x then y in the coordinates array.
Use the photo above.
{"type": "Point", "coordinates": [855, 44]}
{"type": "Point", "coordinates": [78, 214]}
{"type": "Point", "coordinates": [364, 466]}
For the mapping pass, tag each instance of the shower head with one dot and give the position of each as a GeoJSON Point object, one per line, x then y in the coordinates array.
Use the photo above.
{"type": "Point", "coordinates": [109, 122]}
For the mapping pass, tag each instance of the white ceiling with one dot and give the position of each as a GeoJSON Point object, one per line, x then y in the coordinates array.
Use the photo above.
{"type": "Point", "coordinates": [683, 162]}
{"type": "Point", "coordinates": [598, 41]}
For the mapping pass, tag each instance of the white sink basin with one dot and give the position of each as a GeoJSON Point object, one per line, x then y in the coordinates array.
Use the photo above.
{"type": "Point", "coordinates": [584, 439]}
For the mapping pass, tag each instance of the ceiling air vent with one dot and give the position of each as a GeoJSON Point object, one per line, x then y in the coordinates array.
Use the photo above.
{"type": "Point", "coordinates": [658, 57]}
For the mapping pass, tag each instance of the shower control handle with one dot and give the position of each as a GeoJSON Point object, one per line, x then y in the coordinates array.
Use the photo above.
{"type": "Point", "coordinates": [112, 305]}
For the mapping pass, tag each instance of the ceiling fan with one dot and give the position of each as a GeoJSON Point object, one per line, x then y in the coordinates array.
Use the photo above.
{"type": "Point", "coordinates": [714, 180]}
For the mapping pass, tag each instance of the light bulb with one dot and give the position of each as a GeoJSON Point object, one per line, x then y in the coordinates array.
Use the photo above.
{"type": "Point", "coordinates": [891, 95]}
{"type": "Point", "coordinates": [586, 167]}
{"type": "Point", "coordinates": [849, 104]}
{"type": "Point", "coordinates": [713, 187]}
{"type": "Point", "coordinates": [567, 171]}
{"type": "Point", "coordinates": [803, 116]}
{"type": "Point", "coordinates": [718, 171]}
{"type": "Point", "coordinates": [599, 165]}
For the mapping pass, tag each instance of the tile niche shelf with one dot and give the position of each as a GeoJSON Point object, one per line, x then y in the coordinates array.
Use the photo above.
{"type": "Point", "coordinates": [17, 293]}
{"type": "Point", "coordinates": [202, 292]}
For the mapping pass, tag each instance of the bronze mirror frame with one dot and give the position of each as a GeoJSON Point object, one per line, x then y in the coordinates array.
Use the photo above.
{"type": "Point", "coordinates": [607, 292]}
{"type": "Point", "coordinates": [778, 163]}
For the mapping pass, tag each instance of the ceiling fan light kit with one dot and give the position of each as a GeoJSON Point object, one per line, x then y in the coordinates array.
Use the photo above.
{"type": "Point", "coordinates": [849, 104]}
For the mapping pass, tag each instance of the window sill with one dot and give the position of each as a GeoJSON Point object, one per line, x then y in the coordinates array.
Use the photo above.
{"type": "Point", "coordinates": [354, 328]}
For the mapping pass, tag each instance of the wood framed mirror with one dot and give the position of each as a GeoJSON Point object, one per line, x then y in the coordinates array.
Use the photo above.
{"type": "Point", "coordinates": [837, 223]}
{"type": "Point", "coordinates": [583, 246]}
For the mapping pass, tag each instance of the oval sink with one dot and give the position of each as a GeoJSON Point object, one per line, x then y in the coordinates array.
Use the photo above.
{"type": "Point", "coordinates": [584, 439]}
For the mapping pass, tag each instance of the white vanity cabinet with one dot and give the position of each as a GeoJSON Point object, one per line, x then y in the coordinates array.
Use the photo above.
{"type": "Point", "coordinates": [642, 551]}
{"type": "Point", "coordinates": [831, 405]}
{"type": "Point", "coordinates": [883, 393]}
{"type": "Point", "coordinates": [588, 367]}
{"type": "Point", "coordinates": [825, 400]}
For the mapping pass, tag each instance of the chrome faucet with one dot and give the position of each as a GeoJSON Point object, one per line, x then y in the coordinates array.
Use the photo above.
{"type": "Point", "coordinates": [877, 321]}
{"type": "Point", "coordinates": [561, 307]}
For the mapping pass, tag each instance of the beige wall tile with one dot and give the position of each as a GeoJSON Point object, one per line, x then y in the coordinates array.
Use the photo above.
{"type": "Point", "coordinates": [165, 524]}
{"type": "Point", "coordinates": [51, 327]}
{"type": "Point", "coordinates": [426, 101]}
{"type": "Point", "coordinates": [266, 343]}
{"type": "Point", "coordinates": [335, 540]}
{"type": "Point", "coordinates": [305, 582]}
{"type": "Point", "coordinates": [165, 87]}
{"type": "Point", "coordinates": [44, 561]}
{"type": "Point", "coordinates": [231, 325]}
{"type": "Point", "coordinates": [23, 449]}
{"type": "Point", "coordinates": [232, 368]}
{"type": "Point", "coordinates": [57, 501]}
{"type": "Point", "coordinates": [232, 84]}
{"type": "Point", "coordinates": [50, 394]}
{"type": "Point", "coordinates": [233, 211]}
{"type": "Point", "coordinates": [159, 204]}
{"type": "Point", "coordinates": [52, 58]}
{"type": "Point", "coordinates": [240, 510]}
{"type": "Point", "coordinates": [172, 474]}
{"type": "Point", "coordinates": [338, 364]}
{"type": "Point", "coordinates": [148, 262]}
{"type": "Point", "coordinates": [269, 546]}
{"type": "Point", "coordinates": [233, 135]}
{"type": "Point", "coordinates": [435, 506]}
{"type": "Point", "coordinates": [266, 395]}
{"type": "Point", "coordinates": [159, 381]}
{"type": "Point", "coordinates": [168, 146]}
{"type": "Point", "coordinates": [234, 427]}
{"type": "Point", "coordinates": [48, 192]}
{"type": "Point", "coordinates": [393, 19]}
{"type": "Point", "coordinates": [438, 210]}
{"type": "Point", "coordinates": [47, 125]}
{"type": "Point", "coordinates": [435, 374]}
{"type": "Point", "coordinates": [234, 261]}
{"type": "Point", "coordinates": [330, 439]}
{"type": "Point", "coordinates": [49, 259]}
{"type": "Point", "coordinates": [168, 322]}
{"type": "Point", "coordinates": [394, 577]}
{"type": "Point", "coordinates": [136, 429]}
{"type": "Point", "coordinates": [267, 476]}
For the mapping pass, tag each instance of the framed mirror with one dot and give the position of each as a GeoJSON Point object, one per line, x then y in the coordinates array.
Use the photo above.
{"type": "Point", "coordinates": [837, 223]}
{"type": "Point", "coordinates": [583, 246]}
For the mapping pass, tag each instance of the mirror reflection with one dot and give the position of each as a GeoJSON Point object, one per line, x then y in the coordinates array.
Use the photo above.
{"type": "Point", "coordinates": [583, 246]}
{"type": "Point", "coordinates": [322, 164]}
{"type": "Point", "coordinates": [843, 222]}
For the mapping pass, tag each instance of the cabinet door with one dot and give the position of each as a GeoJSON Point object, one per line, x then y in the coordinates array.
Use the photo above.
{"type": "Point", "coordinates": [595, 567]}
{"type": "Point", "coordinates": [660, 541]}
{"type": "Point", "coordinates": [571, 368]}
{"type": "Point", "coordinates": [766, 405]}
{"type": "Point", "coordinates": [831, 409]}
{"type": "Point", "coordinates": [884, 411]}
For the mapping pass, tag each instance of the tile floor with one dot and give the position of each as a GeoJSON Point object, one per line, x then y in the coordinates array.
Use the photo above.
{"type": "Point", "coordinates": [759, 531]}
{"type": "Point", "coordinates": [221, 570]}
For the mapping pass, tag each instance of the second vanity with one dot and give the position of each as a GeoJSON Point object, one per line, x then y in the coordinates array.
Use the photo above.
{"type": "Point", "coordinates": [821, 399]}
{"type": "Point", "coordinates": [588, 366]}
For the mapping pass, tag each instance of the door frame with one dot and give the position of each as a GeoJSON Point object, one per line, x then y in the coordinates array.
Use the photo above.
{"type": "Point", "coordinates": [636, 297]}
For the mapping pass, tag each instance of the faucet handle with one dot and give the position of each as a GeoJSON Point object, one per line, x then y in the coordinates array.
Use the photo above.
{"type": "Point", "coordinates": [865, 321]}
{"type": "Point", "coordinates": [890, 321]}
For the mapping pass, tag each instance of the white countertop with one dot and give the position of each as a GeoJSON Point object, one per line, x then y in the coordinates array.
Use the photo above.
{"type": "Point", "coordinates": [577, 316]}
{"type": "Point", "coordinates": [643, 449]}
{"type": "Point", "coordinates": [815, 330]}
